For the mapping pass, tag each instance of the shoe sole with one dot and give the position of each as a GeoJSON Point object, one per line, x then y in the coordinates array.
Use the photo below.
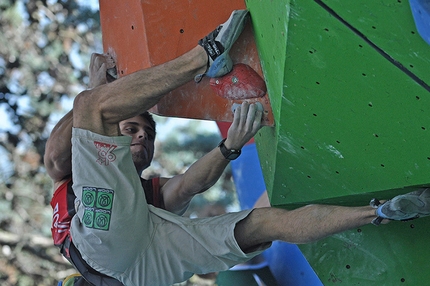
{"type": "Point", "coordinates": [408, 206]}
{"type": "Point", "coordinates": [227, 36]}
{"type": "Point", "coordinates": [234, 27]}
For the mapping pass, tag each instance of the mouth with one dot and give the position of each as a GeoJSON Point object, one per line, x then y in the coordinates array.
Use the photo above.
{"type": "Point", "coordinates": [138, 144]}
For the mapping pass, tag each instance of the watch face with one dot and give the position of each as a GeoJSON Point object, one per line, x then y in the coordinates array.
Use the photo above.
{"type": "Point", "coordinates": [233, 155]}
{"type": "Point", "coordinates": [228, 154]}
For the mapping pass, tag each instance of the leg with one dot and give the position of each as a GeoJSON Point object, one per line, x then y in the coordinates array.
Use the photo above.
{"type": "Point", "coordinates": [136, 93]}
{"type": "Point", "coordinates": [99, 110]}
{"type": "Point", "coordinates": [303, 225]}
{"type": "Point", "coordinates": [314, 222]}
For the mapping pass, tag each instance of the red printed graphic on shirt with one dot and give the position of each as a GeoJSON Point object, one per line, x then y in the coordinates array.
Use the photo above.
{"type": "Point", "coordinates": [106, 154]}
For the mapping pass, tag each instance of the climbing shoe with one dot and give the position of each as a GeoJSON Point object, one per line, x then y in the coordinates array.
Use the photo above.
{"type": "Point", "coordinates": [403, 207]}
{"type": "Point", "coordinates": [219, 42]}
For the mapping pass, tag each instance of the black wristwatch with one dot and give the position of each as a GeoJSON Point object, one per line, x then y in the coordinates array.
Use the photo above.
{"type": "Point", "coordinates": [228, 154]}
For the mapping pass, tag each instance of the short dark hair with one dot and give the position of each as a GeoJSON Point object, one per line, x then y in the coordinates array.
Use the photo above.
{"type": "Point", "coordinates": [148, 116]}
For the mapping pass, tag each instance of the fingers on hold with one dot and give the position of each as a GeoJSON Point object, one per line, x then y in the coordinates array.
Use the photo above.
{"type": "Point", "coordinates": [247, 109]}
{"type": "Point", "coordinates": [258, 119]}
{"type": "Point", "coordinates": [244, 108]}
{"type": "Point", "coordinates": [94, 56]}
{"type": "Point", "coordinates": [234, 107]}
{"type": "Point", "coordinates": [259, 106]}
{"type": "Point", "coordinates": [110, 61]}
{"type": "Point", "coordinates": [98, 61]}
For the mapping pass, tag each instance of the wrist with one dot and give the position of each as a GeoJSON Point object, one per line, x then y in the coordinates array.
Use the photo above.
{"type": "Point", "coordinates": [228, 153]}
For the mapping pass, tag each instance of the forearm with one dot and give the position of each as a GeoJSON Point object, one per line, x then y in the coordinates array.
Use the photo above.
{"type": "Point", "coordinates": [205, 172]}
{"type": "Point", "coordinates": [200, 176]}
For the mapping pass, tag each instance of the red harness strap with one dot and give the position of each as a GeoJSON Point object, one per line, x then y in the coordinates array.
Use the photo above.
{"type": "Point", "coordinates": [63, 205]}
{"type": "Point", "coordinates": [157, 198]}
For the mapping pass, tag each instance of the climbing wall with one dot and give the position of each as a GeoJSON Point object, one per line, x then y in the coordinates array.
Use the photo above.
{"type": "Point", "coordinates": [349, 87]}
{"type": "Point", "coordinates": [347, 110]}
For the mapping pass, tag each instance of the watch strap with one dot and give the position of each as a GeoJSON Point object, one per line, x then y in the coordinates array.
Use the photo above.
{"type": "Point", "coordinates": [229, 154]}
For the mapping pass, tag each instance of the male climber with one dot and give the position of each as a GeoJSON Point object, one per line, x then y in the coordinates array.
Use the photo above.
{"type": "Point", "coordinates": [121, 236]}
{"type": "Point", "coordinates": [173, 194]}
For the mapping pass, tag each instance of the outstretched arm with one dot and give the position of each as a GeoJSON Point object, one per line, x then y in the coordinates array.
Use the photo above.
{"type": "Point", "coordinates": [58, 152]}
{"type": "Point", "coordinates": [178, 191]}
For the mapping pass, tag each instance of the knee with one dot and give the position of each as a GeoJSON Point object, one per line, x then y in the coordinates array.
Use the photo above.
{"type": "Point", "coordinates": [82, 101]}
{"type": "Point", "coordinates": [250, 232]}
{"type": "Point", "coordinates": [85, 111]}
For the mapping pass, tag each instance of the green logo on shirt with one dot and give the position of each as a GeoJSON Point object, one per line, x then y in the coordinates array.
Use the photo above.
{"type": "Point", "coordinates": [98, 207]}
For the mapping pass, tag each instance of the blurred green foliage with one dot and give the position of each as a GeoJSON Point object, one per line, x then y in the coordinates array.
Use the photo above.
{"type": "Point", "coordinates": [45, 49]}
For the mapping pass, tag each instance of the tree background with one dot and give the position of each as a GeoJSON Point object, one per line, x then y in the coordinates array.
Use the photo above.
{"type": "Point", "coordinates": [45, 48]}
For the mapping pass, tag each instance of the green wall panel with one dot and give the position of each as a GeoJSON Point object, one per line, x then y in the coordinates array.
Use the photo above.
{"type": "Point", "coordinates": [393, 254]}
{"type": "Point", "coordinates": [349, 86]}
{"type": "Point", "coordinates": [350, 121]}
{"type": "Point", "coordinates": [271, 29]}
{"type": "Point", "coordinates": [390, 26]}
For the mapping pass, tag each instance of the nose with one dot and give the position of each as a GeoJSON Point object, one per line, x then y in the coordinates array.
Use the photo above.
{"type": "Point", "coordinates": [143, 134]}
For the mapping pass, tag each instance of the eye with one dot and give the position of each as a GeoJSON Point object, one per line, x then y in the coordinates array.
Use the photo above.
{"type": "Point", "coordinates": [129, 130]}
